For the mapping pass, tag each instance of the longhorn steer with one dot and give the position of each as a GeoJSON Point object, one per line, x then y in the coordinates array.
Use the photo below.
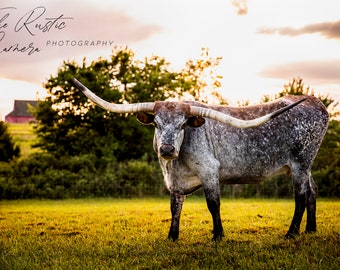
{"type": "Point", "coordinates": [201, 146]}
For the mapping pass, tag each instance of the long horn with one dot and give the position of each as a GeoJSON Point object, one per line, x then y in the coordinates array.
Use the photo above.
{"type": "Point", "coordinates": [232, 121]}
{"type": "Point", "coordinates": [117, 108]}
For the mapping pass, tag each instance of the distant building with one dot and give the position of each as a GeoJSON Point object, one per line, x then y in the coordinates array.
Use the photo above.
{"type": "Point", "coordinates": [20, 113]}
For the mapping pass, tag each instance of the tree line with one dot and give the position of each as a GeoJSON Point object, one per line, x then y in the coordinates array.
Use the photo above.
{"type": "Point", "coordinates": [88, 152]}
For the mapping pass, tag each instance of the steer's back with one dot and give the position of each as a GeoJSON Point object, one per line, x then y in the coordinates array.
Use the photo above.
{"type": "Point", "coordinates": [250, 155]}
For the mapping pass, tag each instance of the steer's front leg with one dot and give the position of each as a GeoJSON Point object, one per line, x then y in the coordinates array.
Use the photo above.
{"type": "Point", "coordinates": [176, 209]}
{"type": "Point", "coordinates": [213, 202]}
{"type": "Point", "coordinates": [209, 176]}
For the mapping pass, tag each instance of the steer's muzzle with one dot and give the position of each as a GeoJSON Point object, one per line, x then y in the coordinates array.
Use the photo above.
{"type": "Point", "coordinates": [167, 151]}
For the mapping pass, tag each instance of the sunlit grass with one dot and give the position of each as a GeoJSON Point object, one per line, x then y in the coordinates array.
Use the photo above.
{"type": "Point", "coordinates": [131, 234]}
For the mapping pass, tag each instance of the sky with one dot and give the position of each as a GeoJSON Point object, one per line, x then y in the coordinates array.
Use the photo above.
{"type": "Point", "coordinates": [263, 43]}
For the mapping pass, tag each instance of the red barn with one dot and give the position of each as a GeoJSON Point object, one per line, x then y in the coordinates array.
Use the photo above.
{"type": "Point", "coordinates": [21, 113]}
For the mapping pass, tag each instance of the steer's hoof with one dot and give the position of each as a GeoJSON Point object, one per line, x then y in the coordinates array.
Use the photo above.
{"type": "Point", "coordinates": [290, 236]}
{"type": "Point", "coordinates": [173, 236]}
{"type": "Point", "coordinates": [218, 238]}
{"type": "Point", "coordinates": [311, 231]}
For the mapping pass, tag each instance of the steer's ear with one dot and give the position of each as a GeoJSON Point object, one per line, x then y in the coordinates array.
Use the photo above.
{"type": "Point", "coordinates": [195, 121]}
{"type": "Point", "coordinates": [145, 118]}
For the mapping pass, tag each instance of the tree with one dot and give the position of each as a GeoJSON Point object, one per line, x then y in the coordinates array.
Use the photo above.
{"type": "Point", "coordinates": [8, 149]}
{"type": "Point", "coordinates": [202, 72]}
{"type": "Point", "coordinates": [67, 124]}
{"type": "Point", "coordinates": [326, 169]}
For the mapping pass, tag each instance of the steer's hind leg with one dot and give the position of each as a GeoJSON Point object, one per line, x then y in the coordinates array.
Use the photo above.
{"type": "Point", "coordinates": [301, 190]}
{"type": "Point", "coordinates": [176, 209]}
{"type": "Point", "coordinates": [311, 206]}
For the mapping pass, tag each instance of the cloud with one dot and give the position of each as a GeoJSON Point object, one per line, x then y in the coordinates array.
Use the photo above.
{"type": "Point", "coordinates": [318, 71]}
{"type": "Point", "coordinates": [329, 30]}
{"type": "Point", "coordinates": [241, 6]}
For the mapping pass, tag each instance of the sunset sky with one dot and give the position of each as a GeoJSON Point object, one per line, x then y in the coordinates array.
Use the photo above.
{"type": "Point", "coordinates": [263, 43]}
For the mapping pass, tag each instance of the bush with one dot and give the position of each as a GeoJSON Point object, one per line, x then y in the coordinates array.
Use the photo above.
{"type": "Point", "coordinates": [139, 178]}
{"type": "Point", "coordinates": [328, 181]}
{"type": "Point", "coordinates": [41, 175]}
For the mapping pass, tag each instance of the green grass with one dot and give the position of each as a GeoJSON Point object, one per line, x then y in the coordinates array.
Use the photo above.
{"type": "Point", "coordinates": [24, 136]}
{"type": "Point", "coordinates": [131, 234]}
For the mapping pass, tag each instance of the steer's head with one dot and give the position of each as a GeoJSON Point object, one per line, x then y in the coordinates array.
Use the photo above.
{"type": "Point", "coordinates": [170, 119]}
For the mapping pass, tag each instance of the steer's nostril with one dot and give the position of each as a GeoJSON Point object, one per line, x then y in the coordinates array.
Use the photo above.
{"type": "Point", "coordinates": [167, 150]}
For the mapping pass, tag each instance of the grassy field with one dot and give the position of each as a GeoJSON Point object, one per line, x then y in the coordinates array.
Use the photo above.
{"type": "Point", "coordinates": [131, 234]}
{"type": "Point", "coordinates": [23, 135]}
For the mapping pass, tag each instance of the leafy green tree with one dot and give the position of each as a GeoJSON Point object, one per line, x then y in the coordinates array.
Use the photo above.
{"type": "Point", "coordinates": [68, 124]}
{"type": "Point", "coordinates": [326, 166]}
{"type": "Point", "coordinates": [202, 72]}
{"type": "Point", "coordinates": [8, 149]}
